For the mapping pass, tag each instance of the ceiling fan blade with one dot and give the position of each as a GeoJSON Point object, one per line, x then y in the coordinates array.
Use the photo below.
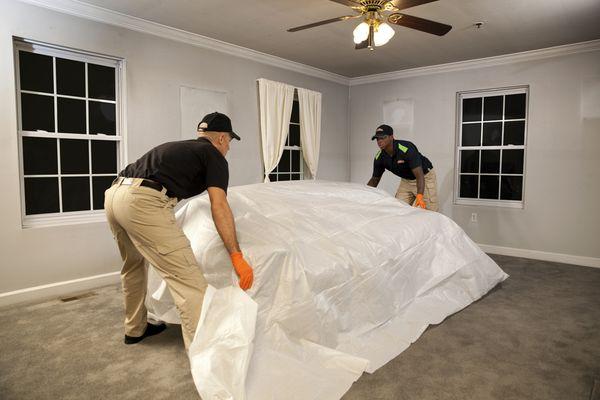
{"type": "Point", "coordinates": [327, 21]}
{"type": "Point", "coordinates": [350, 3]}
{"type": "Point", "coordinates": [420, 24]}
{"type": "Point", "coordinates": [402, 4]}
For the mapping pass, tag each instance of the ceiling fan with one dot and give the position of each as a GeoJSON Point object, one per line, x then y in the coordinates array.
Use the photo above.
{"type": "Point", "coordinates": [374, 31]}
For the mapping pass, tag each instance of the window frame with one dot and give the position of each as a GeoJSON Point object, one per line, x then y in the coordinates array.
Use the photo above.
{"type": "Point", "coordinates": [69, 217]}
{"type": "Point", "coordinates": [483, 93]}
{"type": "Point", "coordinates": [300, 173]}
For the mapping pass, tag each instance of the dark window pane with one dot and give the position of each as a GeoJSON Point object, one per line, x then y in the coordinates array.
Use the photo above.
{"type": "Point", "coordinates": [469, 161]}
{"type": "Point", "coordinates": [283, 177]}
{"type": "Point", "coordinates": [70, 77]}
{"type": "Point", "coordinates": [71, 115]}
{"type": "Point", "coordinates": [512, 161]}
{"type": "Point", "coordinates": [101, 82]}
{"type": "Point", "coordinates": [512, 188]}
{"type": "Point", "coordinates": [294, 135]}
{"type": "Point", "coordinates": [489, 187]}
{"type": "Point", "coordinates": [284, 163]}
{"type": "Point", "coordinates": [74, 156]}
{"type": "Point", "coordinates": [296, 161]}
{"type": "Point", "coordinates": [468, 186]}
{"type": "Point", "coordinates": [471, 135]}
{"type": "Point", "coordinates": [104, 157]}
{"type": "Point", "coordinates": [471, 109]}
{"type": "Point", "coordinates": [35, 71]}
{"type": "Point", "coordinates": [76, 193]}
{"type": "Point", "coordinates": [490, 162]}
{"type": "Point", "coordinates": [37, 112]}
{"type": "Point", "coordinates": [41, 196]}
{"type": "Point", "coordinates": [515, 106]}
{"type": "Point", "coordinates": [39, 156]}
{"type": "Point", "coordinates": [102, 118]}
{"type": "Point", "coordinates": [273, 177]}
{"type": "Point", "coordinates": [99, 185]}
{"type": "Point", "coordinates": [295, 112]}
{"type": "Point", "coordinates": [295, 177]}
{"type": "Point", "coordinates": [514, 132]}
{"type": "Point", "coordinates": [492, 134]}
{"type": "Point", "coordinates": [492, 108]}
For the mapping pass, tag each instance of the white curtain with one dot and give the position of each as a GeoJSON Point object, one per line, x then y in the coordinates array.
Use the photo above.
{"type": "Point", "coordinates": [276, 100]}
{"type": "Point", "coordinates": [310, 127]}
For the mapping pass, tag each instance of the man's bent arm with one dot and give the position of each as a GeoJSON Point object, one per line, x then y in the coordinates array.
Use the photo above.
{"type": "Point", "coordinates": [223, 218]}
{"type": "Point", "coordinates": [373, 181]}
{"type": "Point", "coordinates": [418, 172]}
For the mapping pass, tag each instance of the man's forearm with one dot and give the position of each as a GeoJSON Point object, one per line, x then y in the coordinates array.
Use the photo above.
{"type": "Point", "coordinates": [373, 182]}
{"type": "Point", "coordinates": [420, 184]}
{"type": "Point", "coordinates": [225, 224]}
{"type": "Point", "coordinates": [420, 177]}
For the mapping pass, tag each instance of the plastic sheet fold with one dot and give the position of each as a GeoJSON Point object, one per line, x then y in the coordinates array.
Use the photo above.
{"type": "Point", "coordinates": [346, 278]}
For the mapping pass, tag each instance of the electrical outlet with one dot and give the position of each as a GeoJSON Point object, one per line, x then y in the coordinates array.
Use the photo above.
{"type": "Point", "coordinates": [474, 217]}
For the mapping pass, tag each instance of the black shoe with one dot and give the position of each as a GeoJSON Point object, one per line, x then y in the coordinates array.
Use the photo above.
{"type": "Point", "coordinates": [151, 330]}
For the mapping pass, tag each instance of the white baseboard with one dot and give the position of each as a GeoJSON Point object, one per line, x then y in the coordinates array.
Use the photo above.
{"type": "Point", "coordinates": [58, 289]}
{"type": "Point", "coordinates": [542, 255]}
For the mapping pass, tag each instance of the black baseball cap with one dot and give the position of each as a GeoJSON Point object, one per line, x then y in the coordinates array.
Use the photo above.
{"type": "Point", "coordinates": [382, 130]}
{"type": "Point", "coordinates": [217, 122]}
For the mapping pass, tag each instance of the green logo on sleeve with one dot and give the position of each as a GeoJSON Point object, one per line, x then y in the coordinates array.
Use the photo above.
{"type": "Point", "coordinates": [377, 155]}
{"type": "Point", "coordinates": [404, 149]}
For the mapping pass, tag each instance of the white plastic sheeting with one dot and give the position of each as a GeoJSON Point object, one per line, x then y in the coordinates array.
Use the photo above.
{"type": "Point", "coordinates": [346, 278]}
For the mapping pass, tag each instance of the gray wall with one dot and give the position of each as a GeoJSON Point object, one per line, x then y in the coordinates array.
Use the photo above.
{"type": "Point", "coordinates": [156, 68]}
{"type": "Point", "coordinates": [562, 167]}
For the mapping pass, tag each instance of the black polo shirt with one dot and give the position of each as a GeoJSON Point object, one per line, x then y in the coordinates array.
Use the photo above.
{"type": "Point", "coordinates": [406, 157]}
{"type": "Point", "coordinates": [186, 168]}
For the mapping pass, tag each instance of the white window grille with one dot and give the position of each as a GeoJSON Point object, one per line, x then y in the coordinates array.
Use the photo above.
{"type": "Point", "coordinates": [491, 147]}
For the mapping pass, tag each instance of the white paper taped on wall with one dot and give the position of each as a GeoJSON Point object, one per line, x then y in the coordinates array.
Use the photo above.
{"type": "Point", "coordinates": [334, 294]}
{"type": "Point", "coordinates": [195, 104]}
{"type": "Point", "coordinates": [399, 114]}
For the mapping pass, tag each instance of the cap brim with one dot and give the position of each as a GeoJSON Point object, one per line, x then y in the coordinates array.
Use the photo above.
{"type": "Point", "coordinates": [235, 136]}
{"type": "Point", "coordinates": [379, 135]}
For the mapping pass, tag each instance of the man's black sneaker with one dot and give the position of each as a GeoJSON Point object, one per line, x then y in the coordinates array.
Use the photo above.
{"type": "Point", "coordinates": [151, 330]}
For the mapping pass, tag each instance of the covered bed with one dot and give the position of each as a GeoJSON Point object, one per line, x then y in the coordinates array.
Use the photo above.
{"type": "Point", "coordinates": [346, 278]}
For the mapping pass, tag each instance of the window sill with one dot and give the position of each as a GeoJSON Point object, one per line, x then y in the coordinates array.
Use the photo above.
{"type": "Point", "coordinates": [62, 220]}
{"type": "Point", "coordinates": [492, 203]}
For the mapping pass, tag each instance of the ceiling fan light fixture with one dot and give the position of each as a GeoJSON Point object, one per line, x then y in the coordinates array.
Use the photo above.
{"type": "Point", "coordinates": [383, 34]}
{"type": "Point", "coordinates": [361, 32]}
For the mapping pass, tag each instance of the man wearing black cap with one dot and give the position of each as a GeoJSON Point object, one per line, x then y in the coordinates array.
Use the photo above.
{"type": "Point", "coordinates": [139, 206]}
{"type": "Point", "coordinates": [402, 158]}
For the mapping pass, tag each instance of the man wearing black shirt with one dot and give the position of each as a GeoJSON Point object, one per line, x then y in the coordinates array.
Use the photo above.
{"type": "Point", "coordinates": [139, 206]}
{"type": "Point", "coordinates": [402, 158]}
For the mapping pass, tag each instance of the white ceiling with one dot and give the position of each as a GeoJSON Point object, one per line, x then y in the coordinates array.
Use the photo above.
{"type": "Point", "coordinates": [511, 26]}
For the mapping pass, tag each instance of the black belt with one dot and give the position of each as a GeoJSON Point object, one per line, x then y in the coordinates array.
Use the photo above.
{"type": "Point", "coordinates": [145, 182]}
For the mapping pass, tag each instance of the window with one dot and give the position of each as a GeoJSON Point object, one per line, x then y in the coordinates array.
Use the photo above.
{"type": "Point", "coordinates": [490, 152]}
{"type": "Point", "coordinates": [70, 139]}
{"type": "Point", "coordinates": [291, 165]}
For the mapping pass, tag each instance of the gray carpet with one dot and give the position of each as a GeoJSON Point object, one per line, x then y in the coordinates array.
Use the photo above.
{"type": "Point", "coordinates": [536, 336]}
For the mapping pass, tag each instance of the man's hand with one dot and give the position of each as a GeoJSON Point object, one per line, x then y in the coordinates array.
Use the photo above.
{"type": "Point", "coordinates": [419, 202]}
{"type": "Point", "coordinates": [243, 269]}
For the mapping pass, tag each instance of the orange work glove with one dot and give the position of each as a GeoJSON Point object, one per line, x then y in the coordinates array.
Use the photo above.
{"type": "Point", "coordinates": [243, 269]}
{"type": "Point", "coordinates": [419, 202]}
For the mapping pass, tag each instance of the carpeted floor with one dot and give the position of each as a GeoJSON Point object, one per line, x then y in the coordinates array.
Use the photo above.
{"type": "Point", "coordinates": [537, 336]}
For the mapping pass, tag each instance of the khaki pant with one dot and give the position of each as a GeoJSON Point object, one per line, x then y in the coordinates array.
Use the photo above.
{"type": "Point", "coordinates": [143, 224]}
{"type": "Point", "coordinates": [407, 191]}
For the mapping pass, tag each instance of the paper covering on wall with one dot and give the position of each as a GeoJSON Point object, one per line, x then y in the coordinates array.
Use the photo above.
{"type": "Point", "coordinates": [195, 104]}
{"type": "Point", "coordinates": [399, 114]}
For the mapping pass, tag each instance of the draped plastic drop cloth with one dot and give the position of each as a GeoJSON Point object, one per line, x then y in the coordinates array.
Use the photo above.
{"type": "Point", "coordinates": [346, 278]}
